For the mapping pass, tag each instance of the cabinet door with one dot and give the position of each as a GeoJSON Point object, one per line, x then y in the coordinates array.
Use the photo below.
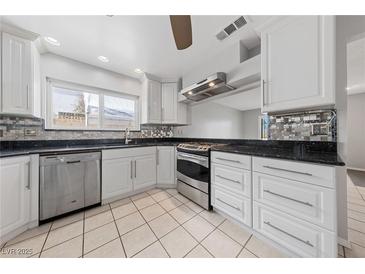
{"type": "Point", "coordinates": [144, 171]}
{"type": "Point", "coordinates": [116, 177]}
{"type": "Point", "coordinates": [154, 102]}
{"type": "Point", "coordinates": [16, 75]}
{"type": "Point", "coordinates": [169, 103]}
{"type": "Point", "coordinates": [166, 165]}
{"type": "Point", "coordinates": [297, 60]}
{"type": "Point", "coordinates": [14, 194]}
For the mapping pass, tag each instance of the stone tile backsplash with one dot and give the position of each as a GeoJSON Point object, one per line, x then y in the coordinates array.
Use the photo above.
{"type": "Point", "coordinates": [317, 125]}
{"type": "Point", "coordinates": [28, 128]}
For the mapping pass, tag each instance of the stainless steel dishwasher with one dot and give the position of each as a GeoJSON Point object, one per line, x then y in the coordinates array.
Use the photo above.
{"type": "Point", "coordinates": [68, 182]}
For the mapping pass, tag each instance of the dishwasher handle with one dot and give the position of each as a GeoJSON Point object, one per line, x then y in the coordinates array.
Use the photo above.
{"type": "Point", "coordinates": [73, 162]}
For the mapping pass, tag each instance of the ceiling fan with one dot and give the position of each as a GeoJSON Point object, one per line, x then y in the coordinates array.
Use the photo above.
{"type": "Point", "coordinates": [181, 28]}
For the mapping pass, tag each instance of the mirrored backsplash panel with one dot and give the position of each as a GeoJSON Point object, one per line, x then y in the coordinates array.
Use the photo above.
{"type": "Point", "coordinates": [316, 125]}
{"type": "Point", "coordinates": [29, 128]}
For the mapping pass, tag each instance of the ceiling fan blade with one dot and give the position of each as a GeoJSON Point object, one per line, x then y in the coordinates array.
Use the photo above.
{"type": "Point", "coordinates": [181, 28]}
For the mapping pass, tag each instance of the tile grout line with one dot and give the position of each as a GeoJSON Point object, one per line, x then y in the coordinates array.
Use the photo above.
{"type": "Point", "coordinates": [120, 236]}
{"type": "Point", "coordinates": [49, 231]}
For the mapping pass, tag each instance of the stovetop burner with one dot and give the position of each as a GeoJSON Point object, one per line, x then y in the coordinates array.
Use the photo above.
{"type": "Point", "coordinates": [195, 146]}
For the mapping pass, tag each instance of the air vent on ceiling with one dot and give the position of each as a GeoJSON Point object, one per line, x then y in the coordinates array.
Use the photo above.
{"type": "Point", "coordinates": [227, 31]}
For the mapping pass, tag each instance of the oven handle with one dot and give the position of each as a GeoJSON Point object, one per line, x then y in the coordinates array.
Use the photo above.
{"type": "Point", "coordinates": [200, 160]}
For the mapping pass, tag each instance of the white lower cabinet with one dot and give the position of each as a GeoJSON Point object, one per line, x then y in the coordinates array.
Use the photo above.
{"type": "Point", "coordinates": [302, 238]}
{"type": "Point", "coordinates": [127, 170]}
{"type": "Point", "coordinates": [166, 166]}
{"type": "Point", "coordinates": [18, 195]}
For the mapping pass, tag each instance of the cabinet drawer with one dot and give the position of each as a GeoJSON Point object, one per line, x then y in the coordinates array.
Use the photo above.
{"type": "Point", "coordinates": [235, 206]}
{"type": "Point", "coordinates": [310, 173]}
{"type": "Point", "coordinates": [300, 237]}
{"type": "Point", "coordinates": [231, 159]}
{"type": "Point", "coordinates": [233, 179]}
{"type": "Point", "coordinates": [127, 152]}
{"type": "Point", "coordinates": [311, 203]}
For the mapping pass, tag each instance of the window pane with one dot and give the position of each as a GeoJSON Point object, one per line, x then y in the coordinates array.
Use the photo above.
{"type": "Point", "coordinates": [74, 109]}
{"type": "Point", "coordinates": [119, 113]}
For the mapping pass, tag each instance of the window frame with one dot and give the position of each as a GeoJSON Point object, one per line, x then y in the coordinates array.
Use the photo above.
{"type": "Point", "coordinates": [94, 90]}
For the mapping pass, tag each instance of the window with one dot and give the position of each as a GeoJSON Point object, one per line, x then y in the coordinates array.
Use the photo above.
{"type": "Point", "coordinates": [71, 106]}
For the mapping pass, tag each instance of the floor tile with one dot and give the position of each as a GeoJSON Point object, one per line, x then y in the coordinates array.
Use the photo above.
{"type": "Point", "coordinates": [172, 191]}
{"type": "Point", "coordinates": [170, 204]}
{"type": "Point", "coordinates": [64, 233]}
{"type": "Point", "coordinates": [182, 214]}
{"type": "Point", "coordinates": [30, 233]}
{"type": "Point", "coordinates": [99, 236]}
{"type": "Point", "coordinates": [98, 220]}
{"type": "Point", "coordinates": [356, 215]}
{"type": "Point", "coordinates": [120, 202]}
{"type": "Point", "coordinates": [356, 237]}
{"type": "Point", "coordinates": [182, 198]}
{"type": "Point", "coordinates": [356, 207]}
{"type": "Point", "coordinates": [356, 251]}
{"type": "Point", "coordinates": [198, 227]}
{"type": "Point", "coordinates": [178, 243]}
{"type": "Point", "coordinates": [199, 252]}
{"type": "Point", "coordinates": [234, 231]}
{"type": "Point", "coordinates": [163, 225]}
{"type": "Point", "coordinates": [262, 250]}
{"type": "Point", "coordinates": [113, 249]}
{"type": "Point", "coordinates": [139, 196]}
{"type": "Point", "coordinates": [129, 222]}
{"type": "Point", "coordinates": [33, 245]}
{"type": "Point", "coordinates": [138, 239]}
{"type": "Point", "coordinates": [153, 251]}
{"type": "Point", "coordinates": [221, 246]}
{"type": "Point", "coordinates": [246, 254]}
{"type": "Point", "coordinates": [123, 210]}
{"type": "Point", "coordinates": [162, 195]}
{"type": "Point", "coordinates": [96, 210]}
{"type": "Point", "coordinates": [154, 191]}
{"type": "Point", "coordinates": [152, 212]}
{"type": "Point", "coordinates": [212, 217]}
{"type": "Point", "coordinates": [144, 202]}
{"type": "Point", "coordinates": [356, 225]}
{"type": "Point", "coordinates": [70, 249]}
{"type": "Point", "coordinates": [67, 220]}
{"type": "Point", "coordinates": [194, 207]}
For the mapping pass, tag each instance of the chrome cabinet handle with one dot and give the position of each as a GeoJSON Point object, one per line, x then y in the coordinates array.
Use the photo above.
{"type": "Point", "coordinates": [288, 198]}
{"type": "Point", "coordinates": [235, 207]}
{"type": "Point", "coordinates": [228, 160]}
{"type": "Point", "coordinates": [27, 96]}
{"type": "Point", "coordinates": [29, 174]}
{"type": "Point", "coordinates": [135, 168]}
{"type": "Point", "coordinates": [131, 169]}
{"type": "Point", "coordinates": [228, 179]}
{"type": "Point", "coordinates": [289, 234]}
{"type": "Point", "coordinates": [157, 157]}
{"type": "Point", "coordinates": [263, 92]}
{"type": "Point", "coordinates": [288, 170]}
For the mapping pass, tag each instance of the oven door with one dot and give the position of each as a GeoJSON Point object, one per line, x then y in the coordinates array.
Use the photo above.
{"type": "Point", "coordinates": [193, 170]}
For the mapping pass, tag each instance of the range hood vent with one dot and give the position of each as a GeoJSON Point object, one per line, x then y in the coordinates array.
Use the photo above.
{"type": "Point", "coordinates": [207, 88]}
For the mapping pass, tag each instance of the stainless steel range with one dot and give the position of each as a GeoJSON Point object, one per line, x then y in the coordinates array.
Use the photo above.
{"type": "Point", "coordinates": [193, 172]}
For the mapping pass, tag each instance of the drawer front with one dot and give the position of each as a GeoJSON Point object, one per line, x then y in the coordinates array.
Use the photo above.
{"type": "Point", "coordinates": [127, 152]}
{"type": "Point", "coordinates": [233, 179]}
{"type": "Point", "coordinates": [302, 238]}
{"type": "Point", "coordinates": [308, 202]}
{"type": "Point", "coordinates": [235, 206]}
{"type": "Point", "coordinates": [231, 159]}
{"type": "Point", "coordinates": [309, 173]}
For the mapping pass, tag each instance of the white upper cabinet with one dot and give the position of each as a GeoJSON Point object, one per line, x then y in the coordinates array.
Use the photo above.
{"type": "Point", "coordinates": [151, 102]}
{"type": "Point", "coordinates": [17, 84]}
{"type": "Point", "coordinates": [169, 103]}
{"type": "Point", "coordinates": [297, 62]}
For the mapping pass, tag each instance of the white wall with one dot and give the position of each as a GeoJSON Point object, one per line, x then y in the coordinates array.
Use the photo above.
{"type": "Point", "coordinates": [356, 131]}
{"type": "Point", "coordinates": [210, 120]}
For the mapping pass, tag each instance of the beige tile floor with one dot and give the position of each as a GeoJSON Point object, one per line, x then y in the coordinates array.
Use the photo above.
{"type": "Point", "coordinates": [356, 215]}
{"type": "Point", "coordinates": [157, 223]}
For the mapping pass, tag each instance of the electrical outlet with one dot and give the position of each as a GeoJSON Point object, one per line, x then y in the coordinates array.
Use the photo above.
{"type": "Point", "coordinates": [30, 132]}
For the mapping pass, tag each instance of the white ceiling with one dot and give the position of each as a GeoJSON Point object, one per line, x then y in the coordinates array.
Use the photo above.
{"type": "Point", "coordinates": [144, 42]}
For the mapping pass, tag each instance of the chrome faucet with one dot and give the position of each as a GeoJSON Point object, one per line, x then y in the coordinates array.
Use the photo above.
{"type": "Point", "coordinates": [127, 140]}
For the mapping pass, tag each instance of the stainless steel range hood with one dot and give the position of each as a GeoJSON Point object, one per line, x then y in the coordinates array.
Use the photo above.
{"type": "Point", "coordinates": [213, 85]}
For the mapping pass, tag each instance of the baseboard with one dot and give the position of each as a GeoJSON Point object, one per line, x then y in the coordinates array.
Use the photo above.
{"type": "Point", "coordinates": [343, 242]}
{"type": "Point", "coordinates": [356, 169]}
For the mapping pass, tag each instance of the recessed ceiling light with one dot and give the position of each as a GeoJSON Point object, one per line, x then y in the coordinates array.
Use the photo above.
{"type": "Point", "coordinates": [103, 59]}
{"type": "Point", "coordinates": [137, 70]}
{"type": "Point", "coordinates": [52, 41]}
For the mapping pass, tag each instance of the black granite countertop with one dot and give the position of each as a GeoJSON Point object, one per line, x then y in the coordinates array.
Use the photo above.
{"type": "Point", "coordinates": [314, 152]}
